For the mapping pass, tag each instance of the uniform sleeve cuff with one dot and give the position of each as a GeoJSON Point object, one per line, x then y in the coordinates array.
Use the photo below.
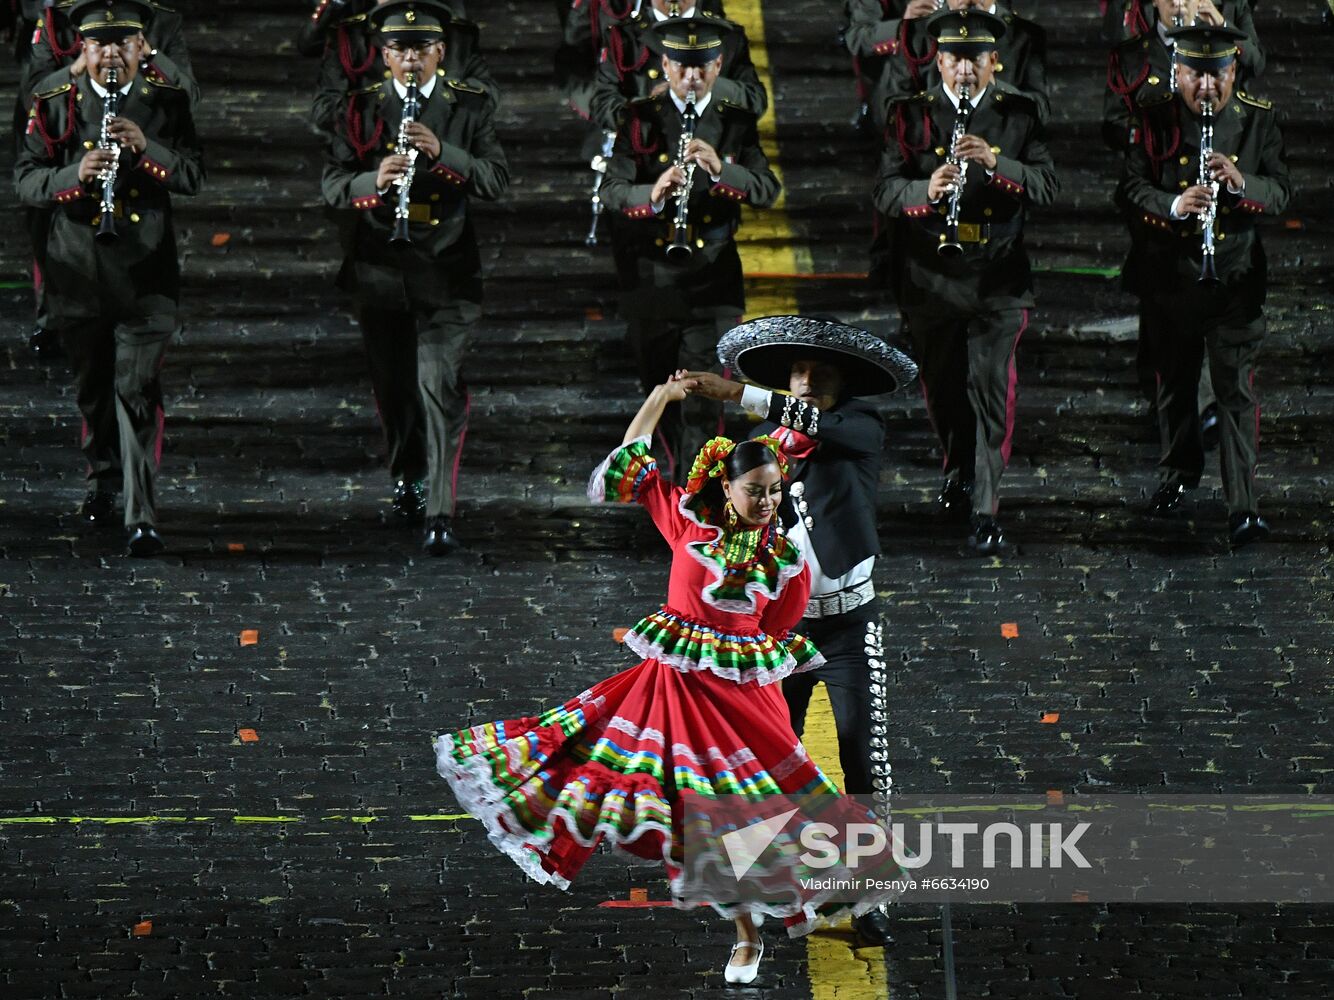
{"type": "Point", "coordinates": [756, 401]}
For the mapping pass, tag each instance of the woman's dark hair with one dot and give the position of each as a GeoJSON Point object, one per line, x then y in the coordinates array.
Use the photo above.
{"type": "Point", "coordinates": [747, 456]}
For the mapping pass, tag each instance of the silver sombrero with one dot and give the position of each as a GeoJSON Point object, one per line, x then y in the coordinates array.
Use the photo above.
{"type": "Point", "coordinates": [763, 351]}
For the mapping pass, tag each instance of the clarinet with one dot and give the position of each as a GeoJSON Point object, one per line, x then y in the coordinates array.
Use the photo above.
{"type": "Point", "coordinates": [106, 226]}
{"type": "Point", "coordinates": [949, 239]}
{"type": "Point", "coordinates": [411, 111]}
{"type": "Point", "coordinates": [1208, 274]}
{"type": "Point", "coordinates": [679, 250]}
{"type": "Point", "coordinates": [599, 168]}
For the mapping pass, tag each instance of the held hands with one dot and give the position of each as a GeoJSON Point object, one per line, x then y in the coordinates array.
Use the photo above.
{"type": "Point", "coordinates": [678, 387]}
{"type": "Point", "coordinates": [919, 8]}
{"type": "Point", "coordinates": [712, 386]}
{"type": "Point", "coordinates": [975, 149]}
{"type": "Point", "coordinates": [425, 140]}
{"type": "Point", "coordinates": [391, 169]}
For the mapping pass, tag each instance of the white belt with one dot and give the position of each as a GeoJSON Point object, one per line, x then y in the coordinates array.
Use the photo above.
{"type": "Point", "coordinates": [842, 602]}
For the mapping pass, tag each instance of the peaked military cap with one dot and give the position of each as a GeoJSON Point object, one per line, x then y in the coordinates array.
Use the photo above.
{"type": "Point", "coordinates": [967, 32]}
{"type": "Point", "coordinates": [690, 41]}
{"type": "Point", "coordinates": [415, 22]}
{"type": "Point", "coordinates": [1206, 46]}
{"type": "Point", "coordinates": [110, 18]}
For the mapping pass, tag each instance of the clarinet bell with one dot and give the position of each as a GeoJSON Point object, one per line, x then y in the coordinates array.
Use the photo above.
{"type": "Point", "coordinates": [679, 253]}
{"type": "Point", "coordinates": [949, 248]}
{"type": "Point", "coordinates": [1208, 272]}
{"type": "Point", "coordinates": [106, 230]}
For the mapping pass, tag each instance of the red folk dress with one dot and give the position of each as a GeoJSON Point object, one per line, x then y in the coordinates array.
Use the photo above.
{"type": "Point", "coordinates": [701, 712]}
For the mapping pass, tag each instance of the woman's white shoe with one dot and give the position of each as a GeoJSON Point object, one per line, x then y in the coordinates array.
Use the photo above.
{"type": "Point", "coordinates": [744, 974]}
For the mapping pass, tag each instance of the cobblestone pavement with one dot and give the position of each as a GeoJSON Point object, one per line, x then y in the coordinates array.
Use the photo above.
{"type": "Point", "coordinates": [215, 768]}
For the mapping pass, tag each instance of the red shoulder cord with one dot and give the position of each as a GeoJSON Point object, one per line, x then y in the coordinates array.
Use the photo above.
{"type": "Point", "coordinates": [353, 73]}
{"type": "Point", "coordinates": [1140, 24]}
{"type": "Point", "coordinates": [354, 124]}
{"type": "Point", "coordinates": [915, 63]}
{"type": "Point", "coordinates": [637, 145]}
{"type": "Point", "coordinates": [901, 133]}
{"type": "Point", "coordinates": [1156, 159]}
{"type": "Point", "coordinates": [616, 50]}
{"type": "Point", "coordinates": [39, 123]}
{"type": "Point", "coordinates": [56, 50]}
{"type": "Point", "coordinates": [1119, 85]}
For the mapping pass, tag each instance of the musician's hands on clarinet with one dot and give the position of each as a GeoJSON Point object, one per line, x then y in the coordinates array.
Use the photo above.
{"type": "Point", "coordinates": [424, 139]}
{"type": "Point", "coordinates": [975, 149]}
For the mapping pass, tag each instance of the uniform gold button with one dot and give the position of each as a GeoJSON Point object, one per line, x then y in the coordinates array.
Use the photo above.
{"type": "Point", "coordinates": [653, 74]}
{"type": "Point", "coordinates": [986, 212]}
{"type": "Point", "coordinates": [435, 222]}
{"type": "Point", "coordinates": [1154, 80]}
{"type": "Point", "coordinates": [1184, 185]}
{"type": "Point", "coordinates": [708, 218]}
{"type": "Point", "coordinates": [1222, 236]}
{"type": "Point", "coordinates": [1225, 210]}
{"type": "Point", "coordinates": [134, 216]}
{"type": "Point", "coordinates": [387, 74]}
{"type": "Point", "coordinates": [662, 157]}
{"type": "Point", "coordinates": [89, 144]}
{"type": "Point", "coordinates": [658, 241]}
{"type": "Point", "coordinates": [388, 145]}
{"type": "Point", "coordinates": [1233, 157]}
{"type": "Point", "coordinates": [144, 91]}
{"type": "Point", "coordinates": [995, 149]}
{"type": "Point", "coordinates": [699, 243]}
{"type": "Point", "coordinates": [134, 193]}
{"type": "Point", "coordinates": [999, 67]}
{"type": "Point", "coordinates": [940, 150]}
{"type": "Point", "coordinates": [1184, 160]}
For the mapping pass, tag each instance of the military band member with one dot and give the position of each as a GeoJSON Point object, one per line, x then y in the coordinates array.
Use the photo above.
{"type": "Point", "coordinates": [833, 439]}
{"type": "Point", "coordinates": [115, 304]}
{"type": "Point", "coordinates": [1192, 319]}
{"type": "Point", "coordinates": [688, 292]}
{"type": "Point", "coordinates": [966, 311]}
{"type": "Point", "coordinates": [1140, 64]}
{"type": "Point", "coordinates": [344, 35]}
{"type": "Point", "coordinates": [906, 52]}
{"type": "Point", "coordinates": [417, 303]}
{"type": "Point", "coordinates": [870, 33]}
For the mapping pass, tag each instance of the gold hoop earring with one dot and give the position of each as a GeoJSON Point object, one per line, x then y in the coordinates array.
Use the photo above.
{"type": "Point", "coordinates": [729, 513]}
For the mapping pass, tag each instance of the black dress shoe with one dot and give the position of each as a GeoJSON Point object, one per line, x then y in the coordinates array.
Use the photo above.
{"type": "Point", "coordinates": [409, 501]}
{"type": "Point", "coordinates": [1165, 499]}
{"type": "Point", "coordinates": [45, 344]}
{"type": "Point", "coordinates": [956, 501]}
{"type": "Point", "coordinates": [440, 537]}
{"type": "Point", "coordinates": [144, 542]}
{"type": "Point", "coordinates": [98, 507]}
{"type": "Point", "coordinates": [1209, 427]}
{"type": "Point", "coordinates": [873, 929]}
{"type": "Point", "coordinates": [986, 535]}
{"type": "Point", "coordinates": [1246, 528]}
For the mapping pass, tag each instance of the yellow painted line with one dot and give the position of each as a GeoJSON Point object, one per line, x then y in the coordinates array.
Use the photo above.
{"type": "Point", "coordinates": [838, 970]}
{"type": "Point", "coordinates": [766, 240]}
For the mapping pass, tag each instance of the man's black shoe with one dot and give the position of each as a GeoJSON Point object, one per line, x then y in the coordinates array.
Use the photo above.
{"type": "Point", "coordinates": [144, 542]}
{"type": "Point", "coordinates": [98, 508]}
{"type": "Point", "coordinates": [440, 537]}
{"type": "Point", "coordinates": [1246, 528]}
{"type": "Point", "coordinates": [873, 929]}
{"type": "Point", "coordinates": [1209, 427]}
{"type": "Point", "coordinates": [956, 501]}
{"type": "Point", "coordinates": [409, 501]}
{"type": "Point", "coordinates": [986, 535]}
{"type": "Point", "coordinates": [45, 344]}
{"type": "Point", "coordinates": [1165, 499]}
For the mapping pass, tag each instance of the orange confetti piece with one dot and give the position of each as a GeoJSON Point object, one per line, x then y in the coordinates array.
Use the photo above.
{"type": "Point", "coordinates": [639, 895]}
{"type": "Point", "coordinates": [143, 928]}
{"type": "Point", "coordinates": [1010, 630]}
{"type": "Point", "coordinates": [1050, 717]}
{"type": "Point", "coordinates": [221, 239]}
{"type": "Point", "coordinates": [235, 547]}
{"type": "Point", "coordinates": [250, 637]}
{"type": "Point", "coordinates": [248, 735]}
{"type": "Point", "coordinates": [618, 634]}
{"type": "Point", "coordinates": [1055, 797]}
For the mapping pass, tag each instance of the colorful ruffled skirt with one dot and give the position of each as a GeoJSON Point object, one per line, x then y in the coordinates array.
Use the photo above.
{"type": "Point", "coordinates": [621, 762]}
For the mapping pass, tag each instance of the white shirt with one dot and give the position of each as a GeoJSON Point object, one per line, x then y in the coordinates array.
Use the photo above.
{"type": "Point", "coordinates": [973, 100]}
{"type": "Point", "coordinates": [756, 402]}
{"type": "Point", "coordinates": [102, 91]}
{"type": "Point", "coordinates": [660, 16]}
{"type": "Point", "coordinates": [424, 90]}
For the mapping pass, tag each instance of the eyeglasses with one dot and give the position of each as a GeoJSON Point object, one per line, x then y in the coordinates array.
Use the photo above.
{"type": "Point", "coordinates": [400, 51]}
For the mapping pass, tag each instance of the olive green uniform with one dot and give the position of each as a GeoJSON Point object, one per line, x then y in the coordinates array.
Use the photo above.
{"type": "Point", "coordinates": [1187, 319]}
{"type": "Point", "coordinates": [417, 305]}
{"type": "Point", "coordinates": [116, 305]}
{"type": "Point", "coordinates": [965, 314]}
{"type": "Point", "coordinates": [676, 314]}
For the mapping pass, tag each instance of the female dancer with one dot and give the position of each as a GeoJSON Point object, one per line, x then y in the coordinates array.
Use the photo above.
{"type": "Point", "coordinates": [702, 714]}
